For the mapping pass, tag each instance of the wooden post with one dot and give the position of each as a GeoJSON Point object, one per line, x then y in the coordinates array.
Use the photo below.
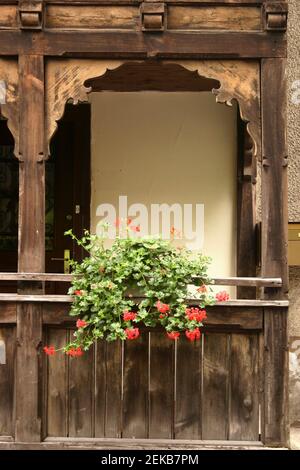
{"type": "Point", "coordinates": [274, 248]}
{"type": "Point", "coordinates": [31, 244]}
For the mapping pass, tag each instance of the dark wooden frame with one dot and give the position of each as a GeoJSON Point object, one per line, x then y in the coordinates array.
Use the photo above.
{"type": "Point", "coordinates": [36, 44]}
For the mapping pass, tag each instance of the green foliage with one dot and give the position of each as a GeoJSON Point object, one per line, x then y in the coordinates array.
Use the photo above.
{"type": "Point", "coordinates": [104, 284]}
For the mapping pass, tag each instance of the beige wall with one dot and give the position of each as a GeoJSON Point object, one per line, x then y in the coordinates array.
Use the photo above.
{"type": "Point", "coordinates": [168, 148]}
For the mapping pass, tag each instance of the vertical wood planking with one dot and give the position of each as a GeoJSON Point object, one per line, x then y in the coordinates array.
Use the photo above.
{"type": "Point", "coordinates": [8, 336]}
{"type": "Point", "coordinates": [81, 394]}
{"type": "Point", "coordinates": [244, 388]}
{"type": "Point", "coordinates": [31, 251]}
{"type": "Point", "coordinates": [161, 393]}
{"type": "Point", "coordinates": [57, 385]}
{"type": "Point", "coordinates": [274, 246]}
{"type": "Point", "coordinates": [113, 411]}
{"type": "Point", "coordinates": [100, 388]}
{"type": "Point", "coordinates": [135, 388]}
{"type": "Point", "coordinates": [188, 389]}
{"type": "Point", "coordinates": [215, 399]}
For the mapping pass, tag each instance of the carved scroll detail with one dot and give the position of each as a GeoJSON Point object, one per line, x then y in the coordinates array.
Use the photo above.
{"type": "Point", "coordinates": [9, 103]}
{"type": "Point", "coordinates": [239, 80]}
{"type": "Point", "coordinates": [65, 82]}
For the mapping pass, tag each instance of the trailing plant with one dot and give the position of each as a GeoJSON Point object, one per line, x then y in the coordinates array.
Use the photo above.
{"type": "Point", "coordinates": [137, 281]}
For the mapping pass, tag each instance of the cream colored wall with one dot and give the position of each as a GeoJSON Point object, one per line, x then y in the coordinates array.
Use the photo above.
{"type": "Point", "coordinates": [169, 147]}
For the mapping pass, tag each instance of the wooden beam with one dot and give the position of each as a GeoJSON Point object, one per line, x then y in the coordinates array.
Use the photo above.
{"type": "Point", "coordinates": [31, 245]}
{"type": "Point", "coordinates": [274, 247]}
{"type": "Point", "coordinates": [220, 281]}
{"type": "Point", "coordinates": [137, 45]}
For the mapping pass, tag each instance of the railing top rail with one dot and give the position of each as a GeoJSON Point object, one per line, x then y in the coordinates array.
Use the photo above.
{"type": "Point", "coordinates": [220, 281]}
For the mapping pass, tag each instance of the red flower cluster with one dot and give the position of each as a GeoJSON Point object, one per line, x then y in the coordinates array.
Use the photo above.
{"type": "Point", "coordinates": [78, 292]}
{"type": "Point", "coordinates": [49, 350]}
{"type": "Point", "coordinates": [74, 352]}
{"type": "Point", "coordinates": [173, 334]}
{"type": "Point", "coordinates": [132, 333]}
{"type": "Point", "coordinates": [81, 323]}
{"type": "Point", "coordinates": [196, 314]}
{"type": "Point", "coordinates": [222, 296]}
{"type": "Point", "coordinates": [127, 316]}
{"type": "Point", "coordinates": [193, 335]}
{"type": "Point", "coordinates": [135, 228]}
{"type": "Point", "coordinates": [162, 308]}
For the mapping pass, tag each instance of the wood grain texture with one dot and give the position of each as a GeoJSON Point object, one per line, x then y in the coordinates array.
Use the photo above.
{"type": "Point", "coordinates": [244, 388]}
{"type": "Point", "coordinates": [7, 369]}
{"type": "Point", "coordinates": [113, 413]}
{"type": "Point", "coordinates": [135, 388]}
{"type": "Point", "coordinates": [214, 18]}
{"type": "Point", "coordinates": [138, 45]}
{"type": "Point", "coordinates": [56, 419]}
{"type": "Point", "coordinates": [91, 18]}
{"type": "Point", "coordinates": [100, 389]}
{"type": "Point", "coordinates": [216, 376]}
{"type": "Point", "coordinates": [81, 394]}
{"type": "Point", "coordinates": [8, 16]}
{"type": "Point", "coordinates": [187, 420]}
{"type": "Point", "coordinates": [161, 391]}
{"type": "Point", "coordinates": [8, 312]}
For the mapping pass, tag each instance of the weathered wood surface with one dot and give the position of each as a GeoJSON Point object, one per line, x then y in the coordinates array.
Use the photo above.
{"type": "Point", "coordinates": [8, 16]}
{"type": "Point", "coordinates": [220, 281]}
{"type": "Point", "coordinates": [274, 247]}
{"type": "Point", "coordinates": [8, 312]}
{"type": "Point", "coordinates": [9, 103]}
{"type": "Point", "coordinates": [138, 45]}
{"type": "Point", "coordinates": [8, 336]}
{"type": "Point", "coordinates": [214, 17]}
{"type": "Point", "coordinates": [95, 17]}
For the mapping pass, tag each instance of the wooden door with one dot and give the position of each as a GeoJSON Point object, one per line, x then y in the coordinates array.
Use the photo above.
{"type": "Point", "coordinates": [67, 188]}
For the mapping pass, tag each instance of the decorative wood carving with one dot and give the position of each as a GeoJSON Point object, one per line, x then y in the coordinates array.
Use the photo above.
{"type": "Point", "coordinates": [9, 97]}
{"type": "Point", "coordinates": [276, 14]}
{"type": "Point", "coordinates": [153, 16]}
{"type": "Point", "coordinates": [31, 14]}
{"type": "Point", "coordinates": [239, 81]}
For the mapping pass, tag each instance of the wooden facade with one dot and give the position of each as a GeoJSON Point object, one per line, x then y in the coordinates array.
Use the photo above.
{"type": "Point", "coordinates": [57, 51]}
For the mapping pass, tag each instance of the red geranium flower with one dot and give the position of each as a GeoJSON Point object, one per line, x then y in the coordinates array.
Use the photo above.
{"type": "Point", "coordinates": [117, 222]}
{"type": "Point", "coordinates": [129, 316]}
{"type": "Point", "coordinates": [193, 335]}
{"type": "Point", "coordinates": [78, 292]}
{"type": "Point", "coordinates": [162, 308]}
{"type": "Point", "coordinates": [132, 333]}
{"type": "Point", "coordinates": [196, 314]}
{"type": "Point", "coordinates": [49, 350]}
{"type": "Point", "coordinates": [173, 334]}
{"type": "Point", "coordinates": [129, 220]}
{"type": "Point", "coordinates": [74, 352]}
{"type": "Point", "coordinates": [222, 296]}
{"type": "Point", "coordinates": [81, 323]}
{"type": "Point", "coordinates": [135, 228]}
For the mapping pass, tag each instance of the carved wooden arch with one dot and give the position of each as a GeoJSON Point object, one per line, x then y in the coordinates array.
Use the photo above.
{"type": "Point", "coordinates": [65, 80]}
{"type": "Point", "coordinates": [9, 104]}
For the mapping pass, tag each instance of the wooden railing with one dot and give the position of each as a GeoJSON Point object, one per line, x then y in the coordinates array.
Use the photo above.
{"type": "Point", "coordinates": [222, 281]}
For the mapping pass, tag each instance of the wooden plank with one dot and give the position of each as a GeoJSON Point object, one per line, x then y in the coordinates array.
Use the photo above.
{"type": "Point", "coordinates": [245, 318]}
{"type": "Point", "coordinates": [92, 18]}
{"type": "Point", "coordinates": [113, 411]}
{"type": "Point", "coordinates": [188, 390]}
{"type": "Point", "coordinates": [215, 398]}
{"type": "Point", "coordinates": [274, 247]}
{"type": "Point", "coordinates": [100, 388]}
{"type": "Point", "coordinates": [236, 18]}
{"type": "Point", "coordinates": [139, 45]}
{"type": "Point", "coordinates": [81, 394]}
{"type": "Point", "coordinates": [29, 340]}
{"type": "Point", "coordinates": [135, 388]}
{"type": "Point", "coordinates": [7, 366]}
{"type": "Point", "coordinates": [244, 388]}
{"type": "Point", "coordinates": [8, 312]}
{"type": "Point", "coordinates": [8, 16]}
{"type": "Point", "coordinates": [171, 2]}
{"type": "Point", "coordinates": [223, 281]}
{"type": "Point", "coordinates": [57, 385]}
{"type": "Point", "coordinates": [246, 210]}
{"type": "Point", "coordinates": [161, 387]}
